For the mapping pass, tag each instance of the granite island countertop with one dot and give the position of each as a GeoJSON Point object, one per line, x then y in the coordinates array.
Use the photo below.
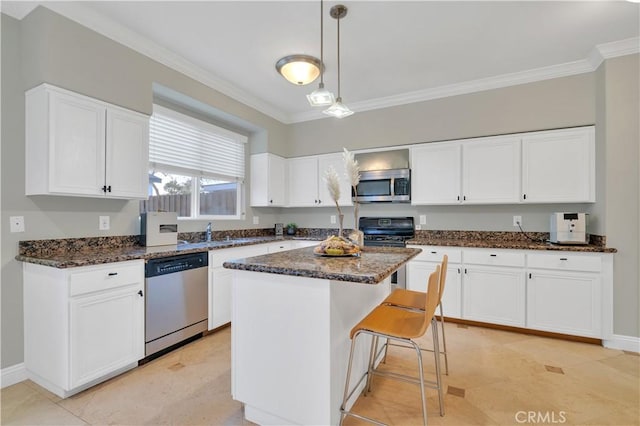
{"type": "Point", "coordinates": [372, 266]}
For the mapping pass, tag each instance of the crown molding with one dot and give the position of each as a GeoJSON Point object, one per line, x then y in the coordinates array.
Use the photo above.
{"type": "Point", "coordinates": [16, 9]}
{"type": "Point", "coordinates": [123, 35]}
{"type": "Point", "coordinates": [111, 29]}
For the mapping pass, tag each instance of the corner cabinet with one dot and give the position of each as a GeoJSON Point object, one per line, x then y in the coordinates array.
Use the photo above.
{"type": "Point", "coordinates": [268, 173]}
{"type": "Point", "coordinates": [82, 325]}
{"type": "Point", "coordinates": [79, 146]}
{"type": "Point", "coordinates": [558, 166]}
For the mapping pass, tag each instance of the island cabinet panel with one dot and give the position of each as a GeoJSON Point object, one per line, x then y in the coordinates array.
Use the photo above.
{"type": "Point", "coordinates": [268, 180]}
{"type": "Point", "coordinates": [565, 294]}
{"type": "Point", "coordinates": [559, 166]}
{"type": "Point", "coordinates": [82, 325]}
{"type": "Point", "coordinates": [79, 146]}
{"type": "Point", "coordinates": [420, 267]}
{"type": "Point", "coordinates": [290, 345]}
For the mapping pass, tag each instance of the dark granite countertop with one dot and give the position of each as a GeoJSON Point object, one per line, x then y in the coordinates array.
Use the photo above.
{"type": "Point", "coordinates": [506, 244]}
{"type": "Point", "coordinates": [372, 266]}
{"type": "Point", "coordinates": [94, 255]}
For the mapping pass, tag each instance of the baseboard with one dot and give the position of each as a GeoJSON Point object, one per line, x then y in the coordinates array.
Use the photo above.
{"type": "Point", "coordinates": [12, 375]}
{"type": "Point", "coordinates": [625, 343]}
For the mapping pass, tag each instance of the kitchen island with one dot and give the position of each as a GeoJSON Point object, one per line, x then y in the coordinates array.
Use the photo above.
{"type": "Point", "coordinates": [292, 314]}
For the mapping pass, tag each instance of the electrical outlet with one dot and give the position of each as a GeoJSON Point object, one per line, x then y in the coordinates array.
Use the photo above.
{"type": "Point", "coordinates": [517, 221]}
{"type": "Point", "coordinates": [423, 219]}
{"type": "Point", "coordinates": [333, 219]}
{"type": "Point", "coordinates": [16, 223]}
{"type": "Point", "coordinates": [104, 223]}
{"type": "Point", "coordinates": [256, 220]}
{"type": "Point", "coordinates": [418, 227]}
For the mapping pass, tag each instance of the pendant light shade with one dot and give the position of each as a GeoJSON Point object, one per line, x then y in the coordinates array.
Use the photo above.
{"type": "Point", "coordinates": [338, 109]}
{"type": "Point", "coordinates": [299, 69]}
{"type": "Point", "coordinates": [321, 96]}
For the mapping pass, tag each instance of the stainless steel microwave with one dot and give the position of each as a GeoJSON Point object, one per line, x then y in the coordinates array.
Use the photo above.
{"type": "Point", "coordinates": [383, 186]}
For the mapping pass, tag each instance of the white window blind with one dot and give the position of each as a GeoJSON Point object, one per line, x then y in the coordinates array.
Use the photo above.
{"type": "Point", "coordinates": [180, 142]}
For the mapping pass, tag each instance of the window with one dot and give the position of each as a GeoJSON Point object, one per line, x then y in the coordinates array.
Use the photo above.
{"type": "Point", "coordinates": [189, 156]}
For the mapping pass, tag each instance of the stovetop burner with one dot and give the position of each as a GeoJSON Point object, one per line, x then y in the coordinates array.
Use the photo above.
{"type": "Point", "coordinates": [387, 231]}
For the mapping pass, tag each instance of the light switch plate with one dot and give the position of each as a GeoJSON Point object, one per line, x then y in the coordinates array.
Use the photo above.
{"type": "Point", "coordinates": [256, 220]}
{"type": "Point", "coordinates": [333, 219]}
{"type": "Point", "coordinates": [17, 223]}
{"type": "Point", "coordinates": [423, 219]}
{"type": "Point", "coordinates": [104, 223]}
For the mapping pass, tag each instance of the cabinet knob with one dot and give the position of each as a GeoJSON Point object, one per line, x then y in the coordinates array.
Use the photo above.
{"type": "Point", "coordinates": [113, 274]}
{"type": "Point", "coordinates": [141, 293]}
{"type": "Point", "coordinates": [270, 201]}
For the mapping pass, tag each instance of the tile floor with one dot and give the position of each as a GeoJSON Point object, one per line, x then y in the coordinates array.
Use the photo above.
{"type": "Point", "coordinates": [496, 378]}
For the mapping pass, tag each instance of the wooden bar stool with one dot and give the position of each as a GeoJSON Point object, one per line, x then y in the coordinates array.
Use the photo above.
{"type": "Point", "coordinates": [411, 299]}
{"type": "Point", "coordinates": [403, 325]}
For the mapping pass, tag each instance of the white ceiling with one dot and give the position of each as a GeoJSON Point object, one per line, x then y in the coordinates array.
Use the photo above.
{"type": "Point", "coordinates": [392, 52]}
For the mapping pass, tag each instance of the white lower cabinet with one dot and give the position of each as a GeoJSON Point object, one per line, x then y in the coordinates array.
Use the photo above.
{"type": "Point", "coordinates": [562, 292]}
{"type": "Point", "coordinates": [563, 299]}
{"type": "Point", "coordinates": [221, 281]}
{"type": "Point", "coordinates": [82, 325]}
{"type": "Point", "coordinates": [419, 269]}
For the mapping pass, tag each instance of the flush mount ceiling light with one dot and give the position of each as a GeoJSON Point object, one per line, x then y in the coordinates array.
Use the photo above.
{"type": "Point", "coordinates": [338, 109]}
{"type": "Point", "coordinates": [299, 69]}
{"type": "Point", "coordinates": [321, 96]}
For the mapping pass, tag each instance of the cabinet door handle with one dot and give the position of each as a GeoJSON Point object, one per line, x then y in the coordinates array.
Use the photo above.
{"type": "Point", "coordinates": [319, 201]}
{"type": "Point", "coordinates": [458, 270]}
{"type": "Point", "coordinates": [109, 188]}
{"type": "Point", "coordinates": [270, 201]}
{"type": "Point", "coordinates": [434, 252]}
{"type": "Point", "coordinates": [493, 255]}
{"type": "Point", "coordinates": [465, 270]}
{"type": "Point", "coordinates": [529, 275]}
{"type": "Point", "coordinates": [104, 188]}
{"type": "Point", "coordinates": [563, 258]}
{"type": "Point", "coordinates": [141, 293]}
{"type": "Point", "coordinates": [458, 198]}
{"type": "Point", "coordinates": [113, 274]}
{"type": "Point", "coordinates": [524, 196]}
{"type": "Point", "coordinates": [464, 198]}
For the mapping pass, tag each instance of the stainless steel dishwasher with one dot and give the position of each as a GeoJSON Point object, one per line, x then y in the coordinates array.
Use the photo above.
{"type": "Point", "coordinates": [177, 300]}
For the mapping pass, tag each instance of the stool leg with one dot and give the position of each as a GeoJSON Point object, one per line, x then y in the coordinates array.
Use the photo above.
{"type": "Point", "coordinates": [374, 345]}
{"type": "Point", "coordinates": [346, 385]}
{"type": "Point", "coordinates": [444, 343]}
{"type": "Point", "coordinates": [421, 374]}
{"type": "Point", "coordinates": [436, 353]}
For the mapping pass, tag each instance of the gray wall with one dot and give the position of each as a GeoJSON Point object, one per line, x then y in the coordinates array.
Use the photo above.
{"type": "Point", "coordinates": [45, 47]}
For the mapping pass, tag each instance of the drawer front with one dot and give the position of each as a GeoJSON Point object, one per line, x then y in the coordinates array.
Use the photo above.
{"type": "Point", "coordinates": [565, 262]}
{"type": "Point", "coordinates": [435, 253]}
{"type": "Point", "coordinates": [218, 257]}
{"type": "Point", "coordinates": [105, 277]}
{"type": "Point", "coordinates": [494, 257]}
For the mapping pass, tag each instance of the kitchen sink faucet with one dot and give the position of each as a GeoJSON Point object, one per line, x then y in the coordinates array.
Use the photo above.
{"type": "Point", "coordinates": [208, 231]}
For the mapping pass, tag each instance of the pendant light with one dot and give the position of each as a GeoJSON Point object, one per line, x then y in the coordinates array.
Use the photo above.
{"type": "Point", "coordinates": [338, 109]}
{"type": "Point", "coordinates": [321, 96]}
{"type": "Point", "coordinates": [299, 69]}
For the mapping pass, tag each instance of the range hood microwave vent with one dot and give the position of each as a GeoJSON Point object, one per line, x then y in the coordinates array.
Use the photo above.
{"type": "Point", "coordinates": [383, 160]}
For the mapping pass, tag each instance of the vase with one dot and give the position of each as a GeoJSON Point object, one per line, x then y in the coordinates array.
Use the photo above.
{"type": "Point", "coordinates": [341, 220]}
{"type": "Point", "coordinates": [357, 237]}
{"type": "Point", "coordinates": [291, 231]}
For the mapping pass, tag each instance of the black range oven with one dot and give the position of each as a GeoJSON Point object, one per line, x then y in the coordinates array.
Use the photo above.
{"type": "Point", "coordinates": [388, 232]}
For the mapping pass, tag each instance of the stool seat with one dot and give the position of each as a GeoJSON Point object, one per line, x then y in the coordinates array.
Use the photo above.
{"type": "Point", "coordinates": [406, 299]}
{"type": "Point", "coordinates": [394, 322]}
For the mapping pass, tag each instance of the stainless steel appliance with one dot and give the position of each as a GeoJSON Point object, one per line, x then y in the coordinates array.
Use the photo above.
{"type": "Point", "coordinates": [569, 228]}
{"type": "Point", "coordinates": [158, 228]}
{"type": "Point", "coordinates": [389, 232]}
{"type": "Point", "coordinates": [384, 177]}
{"type": "Point", "coordinates": [177, 300]}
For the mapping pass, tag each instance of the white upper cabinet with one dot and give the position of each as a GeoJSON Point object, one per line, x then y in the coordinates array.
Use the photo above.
{"type": "Point", "coordinates": [559, 166]}
{"type": "Point", "coordinates": [268, 173]}
{"type": "Point", "coordinates": [79, 146]}
{"type": "Point", "coordinates": [337, 162]}
{"type": "Point", "coordinates": [307, 187]}
{"type": "Point", "coordinates": [435, 173]}
{"type": "Point", "coordinates": [491, 170]}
